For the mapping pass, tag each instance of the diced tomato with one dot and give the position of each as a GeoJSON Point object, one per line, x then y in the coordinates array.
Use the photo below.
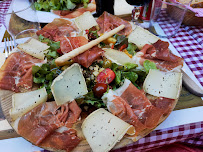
{"type": "Point", "coordinates": [59, 51]}
{"type": "Point", "coordinates": [123, 47]}
{"type": "Point", "coordinates": [112, 47]}
{"type": "Point", "coordinates": [106, 76]}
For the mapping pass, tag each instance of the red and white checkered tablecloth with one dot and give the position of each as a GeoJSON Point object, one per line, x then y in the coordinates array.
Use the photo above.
{"type": "Point", "coordinates": [189, 43]}
{"type": "Point", "coordinates": [3, 9]}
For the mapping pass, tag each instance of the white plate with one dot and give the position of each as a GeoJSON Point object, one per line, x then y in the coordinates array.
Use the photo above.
{"type": "Point", "coordinates": [47, 17]}
{"type": "Point", "coordinates": [42, 17]}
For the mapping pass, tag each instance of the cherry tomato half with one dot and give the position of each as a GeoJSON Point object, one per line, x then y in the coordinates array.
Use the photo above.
{"type": "Point", "coordinates": [106, 76]}
{"type": "Point", "coordinates": [99, 89]}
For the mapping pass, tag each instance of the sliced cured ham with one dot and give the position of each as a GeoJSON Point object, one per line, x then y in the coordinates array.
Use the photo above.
{"type": "Point", "coordinates": [161, 55]}
{"type": "Point", "coordinates": [58, 27]}
{"type": "Point", "coordinates": [131, 105]}
{"type": "Point", "coordinates": [108, 22]}
{"type": "Point", "coordinates": [16, 73]}
{"type": "Point", "coordinates": [66, 140]}
{"type": "Point", "coordinates": [44, 119]}
{"type": "Point", "coordinates": [91, 7]}
{"type": "Point", "coordinates": [85, 59]}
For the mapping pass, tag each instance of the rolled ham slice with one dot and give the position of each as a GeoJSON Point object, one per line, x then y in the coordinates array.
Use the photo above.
{"type": "Point", "coordinates": [131, 105]}
{"type": "Point", "coordinates": [45, 119]}
{"type": "Point", "coordinates": [16, 73]}
{"type": "Point", "coordinates": [85, 59]}
{"type": "Point", "coordinates": [108, 22]}
{"type": "Point", "coordinates": [160, 54]}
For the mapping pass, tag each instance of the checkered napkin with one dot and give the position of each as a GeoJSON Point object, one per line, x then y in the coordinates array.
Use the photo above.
{"type": "Point", "coordinates": [158, 138]}
{"type": "Point", "coordinates": [189, 43]}
{"type": "Point", "coordinates": [4, 6]}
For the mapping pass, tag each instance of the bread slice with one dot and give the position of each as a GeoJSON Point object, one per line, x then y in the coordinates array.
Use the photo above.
{"type": "Point", "coordinates": [197, 4]}
{"type": "Point", "coordinates": [194, 3]}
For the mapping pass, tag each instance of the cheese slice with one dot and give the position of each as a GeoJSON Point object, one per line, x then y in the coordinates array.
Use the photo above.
{"type": "Point", "coordinates": [2, 59]}
{"type": "Point", "coordinates": [163, 84]}
{"type": "Point", "coordinates": [34, 48]}
{"type": "Point", "coordinates": [24, 102]}
{"type": "Point", "coordinates": [140, 37]}
{"type": "Point", "coordinates": [85, 21]}
{"type": "Point", "coordinates": [117, 57]}
{"type": "Point", "coordinates": [69, 85]}
{"type": "Point", "coordinates": [103, 130]}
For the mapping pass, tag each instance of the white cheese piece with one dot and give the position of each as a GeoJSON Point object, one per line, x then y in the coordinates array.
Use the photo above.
{"type": "Point", "coordinates": [69, 85]}
{"type": "Point", "coordinates": [121, 7]}
{"type": "Point", "coordinates": [103, 130]}
{"type": "Point", "coordinates": [2, 59]}
{"type": "Point", "coordinates": [117, 57]}
{"type": "Point", "coordinates": [163, 84]}
{"type": "Point", "coordinates": [24, 102]}
{"type": "Point", "coordinates": [85, 21]}
{"type": "Point", "coordinates": [34, 48]}
{"type": "Point", "coordinates": [140, 37]}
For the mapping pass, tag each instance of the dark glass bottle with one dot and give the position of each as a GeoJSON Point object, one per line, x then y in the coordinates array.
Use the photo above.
{"type": "Point", "coordinates": [104, 5]}
{"type": "Point", "coordinates": [137, 2]}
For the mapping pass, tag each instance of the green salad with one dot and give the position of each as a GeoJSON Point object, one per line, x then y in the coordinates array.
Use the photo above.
{"type": "Point", "coordinates": [103, 74]}
{"type": "Point", "coordinates": [48, 5]}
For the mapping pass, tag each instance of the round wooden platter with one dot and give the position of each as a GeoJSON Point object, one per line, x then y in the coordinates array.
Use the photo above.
{"type": "Point", "coordinates": [6, 104]}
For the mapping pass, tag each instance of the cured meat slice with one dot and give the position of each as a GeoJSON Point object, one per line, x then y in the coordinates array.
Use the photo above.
{"type": "Point", "coordinates": [88, 57]}
{"type": "Point", "coordinates": [108, 22]}
{"type": "Point", "coordinates": [161, 55]}
{"type": "Point", "coordinates": [141, 106]}
{"type": "Point", "coordinates": [16, 73]}
{"type": "Point", "coordinates": [120, 108]}
{"type": "Point", "coordinates": [131, 105]}
{"type": "Point", "coordinates": [66, 140]}
{"type": "Point", "coordinates": [58, 27]}
{"type": "Point", "coordinates": [164, 104]}
{"type": "Point", "coordinates": [85, 59]}
{"type": "Point", "coordinates": [91, 7]}
{"type": "Point", "coordinates": [68, 44]}
{"type": "Point", "coordinates": [44, 119]}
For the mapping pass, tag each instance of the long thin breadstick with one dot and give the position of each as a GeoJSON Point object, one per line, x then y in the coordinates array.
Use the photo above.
{"type": "Point", "coordinates": [60, 61]}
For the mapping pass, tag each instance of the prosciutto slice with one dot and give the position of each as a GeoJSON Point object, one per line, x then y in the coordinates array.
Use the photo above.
{"type": "Point", "coordinates": [161, 55]}
{"type": "Point", "coordinates": [91, 7]}
{"type": "Point", "coordinates": [58, 27]}
{"type": "Point", "coordinates": [108, 22]}
{"type": "Point", "coordinates": [44, 119]}
{"type": "Point", "coordinates": [131, 105]}
{"type": "Point", "coordinates": [85, 59]}
{"type": "Point", "coordinates": [16, 73]}
{"type": "Point", "coordinates": [67, 140]}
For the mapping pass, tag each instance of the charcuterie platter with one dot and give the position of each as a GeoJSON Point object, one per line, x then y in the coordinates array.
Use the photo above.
{"type": "Point", "coordinates": [91, 84]}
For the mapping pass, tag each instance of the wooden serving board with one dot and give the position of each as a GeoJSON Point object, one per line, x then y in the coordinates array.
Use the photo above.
{"type": "Point", "coordinates": [6, 104]}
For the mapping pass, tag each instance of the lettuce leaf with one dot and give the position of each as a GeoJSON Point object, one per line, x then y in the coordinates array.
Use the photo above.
{"type": "Point", "coordinates": [48, 5]}
{"type": "Point", "coordinates": [131, 48]}
{"type": "Point", "coordinates": [149, 65]}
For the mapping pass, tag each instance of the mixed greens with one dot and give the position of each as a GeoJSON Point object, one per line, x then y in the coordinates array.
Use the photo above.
{"type": "Point", "coordinates": [48, 5]}
{"type": "Point", "coordinates": [113, 74]}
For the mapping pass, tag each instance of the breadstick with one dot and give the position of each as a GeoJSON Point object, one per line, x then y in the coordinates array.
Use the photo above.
{"type": "Point", "coordinates": [60, 60]}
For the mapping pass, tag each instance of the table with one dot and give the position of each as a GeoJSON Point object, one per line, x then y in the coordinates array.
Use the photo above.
{"type": "Point", "coordinates": [188, 43]}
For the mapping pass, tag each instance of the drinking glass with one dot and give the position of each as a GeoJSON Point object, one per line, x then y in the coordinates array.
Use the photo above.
{"type": "Point", "coordinates": [136, 11]}
{"type": "Point", "coordinates": [20, 20]}
{"type": "Point", "coordinates": [167, 14]}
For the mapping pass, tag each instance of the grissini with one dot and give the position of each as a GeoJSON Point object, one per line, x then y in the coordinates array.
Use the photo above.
{"type": "Point", "coordinates": [60, 61]}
